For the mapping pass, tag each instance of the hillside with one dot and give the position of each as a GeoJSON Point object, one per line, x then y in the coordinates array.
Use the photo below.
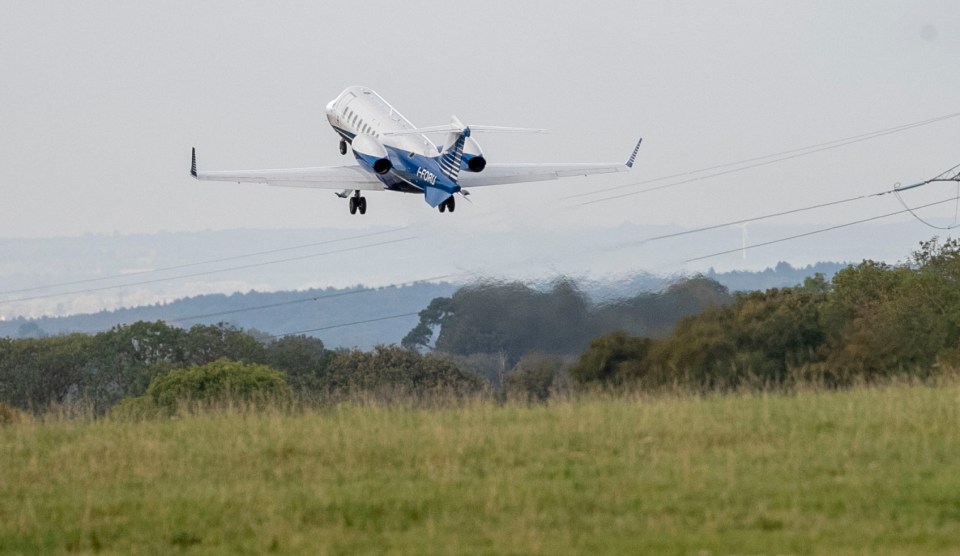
{"type": "Point", "coordinates": [285, 312]}
{"type": "Point", "coordinates": [323, 312]}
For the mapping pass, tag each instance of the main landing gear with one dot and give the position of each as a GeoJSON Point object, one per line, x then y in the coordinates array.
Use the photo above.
{"type": "Point", "coordinates": [358, 203]}
{"type": "Point", "coordinates": [343, 146]}
{"type": "Point", "coordinates": [450, 204]}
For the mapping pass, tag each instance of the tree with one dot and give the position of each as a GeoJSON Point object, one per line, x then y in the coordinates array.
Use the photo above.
{"type": "Point", "coordinates": [207, 343]}
{"type": "Point", "coordinates": [36, 373]}
{"type": "Point", "coordinates": [303, 358]}
{"type": "Point", "coordinates": [388, 373]}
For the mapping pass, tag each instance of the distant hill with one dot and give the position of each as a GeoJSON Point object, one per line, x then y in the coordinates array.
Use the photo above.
{"type": "Point", "coordinates": [359, 317]}
{"type": "Point", "coordinates": [782, 275]}
{"type": "Point", "coordinates": [320, 311]}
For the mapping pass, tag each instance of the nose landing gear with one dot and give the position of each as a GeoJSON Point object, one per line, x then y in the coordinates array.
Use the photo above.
{"type": "Point", "coordinates": [343, 146]}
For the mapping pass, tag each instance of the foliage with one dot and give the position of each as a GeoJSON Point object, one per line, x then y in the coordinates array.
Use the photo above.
{"type": "Point", "coordinates": [536, 377]}
{"type": "Point", "coordinates": [37, 373]}
{"type": "Point", "coordinates": [395, 373]}
{"type": "Point", "coordinates": [615, 358]}
{"type": "Point", "coordinates": [516, 319]}
{"type": "Point", "coordinates": [214, 384]}
{"type": "Point", "coordinates": [873, 322]}
{"type": "Point", "coordinates": [304, 360]}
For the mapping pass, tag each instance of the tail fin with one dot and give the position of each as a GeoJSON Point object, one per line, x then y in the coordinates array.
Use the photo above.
{"type": "Point", "coordinates": [452, 155]}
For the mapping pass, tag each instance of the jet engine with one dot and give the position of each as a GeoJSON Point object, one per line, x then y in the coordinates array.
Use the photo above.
{"type": "Point", "coordinates": [371, 152]}
{"type": "Point", "coordinates": [473, 159]}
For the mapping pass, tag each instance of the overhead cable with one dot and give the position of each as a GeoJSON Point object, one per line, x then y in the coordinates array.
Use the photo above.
{"type": "Point", "coordinates": [755, 162]}
{"type": "Point", "coordinates": [208, 272]}
{"type": "Point", "coordinates": [332, 326]}
{"type": "Point", "coordinates": [950, 175]}
{"type": "Point", "coordinates": [308, 299]}
{"type": "Point", "coordinates": [814, 232]}
{"type": "Point", "coordinates": [200, 263]}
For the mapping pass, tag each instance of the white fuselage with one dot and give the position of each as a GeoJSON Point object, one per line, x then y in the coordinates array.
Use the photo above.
{"type": "Point", "coordinates": [359, 110]}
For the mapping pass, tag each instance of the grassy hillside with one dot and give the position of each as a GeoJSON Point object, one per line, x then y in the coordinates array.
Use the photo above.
{"type": "Point", "coordinates": [864, 471]}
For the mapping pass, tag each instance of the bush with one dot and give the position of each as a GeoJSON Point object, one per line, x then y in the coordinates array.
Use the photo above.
{"type": "Point", "coordinates": [614, 359]}
{"type": "Point", "coordinates": [214, 384]}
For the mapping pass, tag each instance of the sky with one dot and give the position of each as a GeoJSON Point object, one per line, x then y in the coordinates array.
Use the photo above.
{"type": "Point", "coordinates": [101, 102]}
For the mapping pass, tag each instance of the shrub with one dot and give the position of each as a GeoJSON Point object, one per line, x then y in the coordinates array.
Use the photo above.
{"type": "Point", "coordinates": [214, 384]}
{"type": "Point", "coordinates": [614, 359]}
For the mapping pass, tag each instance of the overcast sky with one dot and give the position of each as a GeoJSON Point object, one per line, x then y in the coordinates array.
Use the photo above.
{"type": "Point", "coordinates": [101, 101]}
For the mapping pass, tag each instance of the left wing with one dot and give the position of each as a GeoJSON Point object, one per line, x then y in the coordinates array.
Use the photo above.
{"type": "Point", "coordinates": [498, 174]}
{"type": "Point", "coordinates": [328, 177]}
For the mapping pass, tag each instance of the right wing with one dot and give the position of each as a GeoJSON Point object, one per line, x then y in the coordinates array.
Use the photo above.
{"type": "Point", "coordinates": [499, 174]}
{"type": "Point", "coordinates": [328, 177]}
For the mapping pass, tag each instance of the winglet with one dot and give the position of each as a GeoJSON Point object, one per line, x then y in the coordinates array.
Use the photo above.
{"type": "Point", "coordinates": [634, 155]}
{"type": "Point", "coordinates": [193, 162]}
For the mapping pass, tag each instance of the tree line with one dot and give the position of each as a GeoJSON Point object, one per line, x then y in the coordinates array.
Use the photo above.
{"type": "Point", "coordinates": [873, 320]}
{"type": "Point", "coordinates": [97, 371]}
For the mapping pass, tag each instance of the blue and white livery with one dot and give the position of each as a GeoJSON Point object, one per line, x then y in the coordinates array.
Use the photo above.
{"type": "Point", "coordinates": [394, 155]}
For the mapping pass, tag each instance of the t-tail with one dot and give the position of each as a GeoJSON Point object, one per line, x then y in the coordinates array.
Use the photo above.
{"type": "Point", "coordinates": [452, 155]}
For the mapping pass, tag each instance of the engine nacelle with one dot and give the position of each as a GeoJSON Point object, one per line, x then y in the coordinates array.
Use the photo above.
{"type": "Point", "coordinates": [370, 151]}
{"type": "Point", "coordinates": [473, 159]}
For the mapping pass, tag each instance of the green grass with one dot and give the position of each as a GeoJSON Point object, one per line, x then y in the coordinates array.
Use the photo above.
{"type": "Point", "coordinates": [873, 470]}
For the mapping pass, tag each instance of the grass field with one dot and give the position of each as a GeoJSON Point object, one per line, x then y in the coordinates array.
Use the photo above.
{"type": "Point", "coordinates": [873, 470]}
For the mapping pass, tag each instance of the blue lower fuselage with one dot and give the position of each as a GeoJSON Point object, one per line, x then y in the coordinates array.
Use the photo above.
{"type": "Point", "coordinates": [410, 172]}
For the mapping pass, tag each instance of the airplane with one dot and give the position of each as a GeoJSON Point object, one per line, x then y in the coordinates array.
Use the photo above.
{"type": "Point", "coordinates": [394, 155]}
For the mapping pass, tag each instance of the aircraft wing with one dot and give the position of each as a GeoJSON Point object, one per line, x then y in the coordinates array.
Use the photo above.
{"type": "Point", "coordinates": [324, 177]}
{"type": "Point", "coordinates": [498, 174]}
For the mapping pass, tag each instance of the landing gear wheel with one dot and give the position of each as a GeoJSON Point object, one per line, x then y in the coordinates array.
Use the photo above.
{"type": "Point", "coordinates": [343, 147]}
{"type": "Point", "coordinates": [353, 205]}
{"type": "Point", "coordinates": [362, 205]}
{"type": "Point", "coordinates": [449, 204]}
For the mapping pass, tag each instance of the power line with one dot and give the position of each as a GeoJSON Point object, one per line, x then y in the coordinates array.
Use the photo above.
{"type": "Point", "coordinates": [819, 231]}
{"type": "Point", "coordinates": [200, 263]}
{"type": "Point", "coordinates": [789, 155]}
{"type": "Point", "coordinates": [308, 299]}
{"type": "Point", "coordinates": [344, 324]}
{"type": "Point", "coordinates": [761, 217]}
{"type": "Point", "coordinates": [948, 175]}
{"type": "Point", "coordinates": [206, 273]}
